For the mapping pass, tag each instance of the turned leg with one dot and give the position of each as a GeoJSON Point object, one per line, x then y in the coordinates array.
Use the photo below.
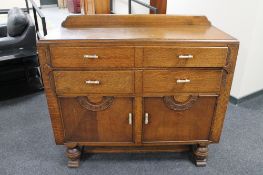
{"type": "Point", "coordinates": [73, 153]}
{"type": "Point", "coordinates": [200, 153]}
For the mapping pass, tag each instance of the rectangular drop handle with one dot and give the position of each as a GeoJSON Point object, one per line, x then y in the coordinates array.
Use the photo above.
{"type": "Point", "coordinates": [91, 56]}
{"type": "Point", "coordinates": [93, 82]}
{"type": "Point", "coordinates": [180, 81]}
{"type": "Point", "coordinates": [185, 56]}
{"type": "Point", "coordinates": [146, 118]}
{"type": "Point", "coordinates": [130, 118]}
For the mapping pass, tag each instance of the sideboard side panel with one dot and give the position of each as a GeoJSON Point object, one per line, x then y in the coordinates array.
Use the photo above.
{"type": "Point", "coordinates": [52, 101]}
{"type": "Point", "coordinates": [224, 94]}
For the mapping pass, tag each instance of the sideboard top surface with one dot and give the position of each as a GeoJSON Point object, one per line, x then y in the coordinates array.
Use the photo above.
{"type": "Point", "coordinates": [137, 28]}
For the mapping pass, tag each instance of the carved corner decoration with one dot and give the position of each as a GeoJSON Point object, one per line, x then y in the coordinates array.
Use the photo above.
{"type": "Point", "coordinates": [228, 67]}
{"type": "Point", "coordinates": [106, 103]}
{"type": "Point", "coordinates": [172, 104]}
{"type": "Point", "coordinates": [48, 71]}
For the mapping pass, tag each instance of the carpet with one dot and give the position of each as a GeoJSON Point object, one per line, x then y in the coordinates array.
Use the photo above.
{"type": "Point", "coordinates": [27, 146]}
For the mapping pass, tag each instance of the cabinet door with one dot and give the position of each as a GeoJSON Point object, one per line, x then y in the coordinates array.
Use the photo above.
{"type": "Point", "coordinates": [180, 118]}
{"type": "Point", "coordinates": [97, 119]}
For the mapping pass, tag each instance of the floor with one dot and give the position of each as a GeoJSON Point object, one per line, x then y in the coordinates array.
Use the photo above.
{"type": "Point", "coordinates": [27, 146]}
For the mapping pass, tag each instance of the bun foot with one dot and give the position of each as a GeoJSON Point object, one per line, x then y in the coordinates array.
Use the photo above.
{"type": "Point", "coordinates": [73, 153]}
{"type": "Point", "coordinates": [200, 154]}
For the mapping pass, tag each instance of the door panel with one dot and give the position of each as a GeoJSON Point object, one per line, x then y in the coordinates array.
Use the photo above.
{"type": "Point", "coordinates": [95, 119]}
{"type": "Point", "coordinates": [170, 119]}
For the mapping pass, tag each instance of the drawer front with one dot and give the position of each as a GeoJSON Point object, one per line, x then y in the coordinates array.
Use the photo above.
{"type": "Point", "coordinates": [85, 82]}
{"type": "Point", "coordinates": [185, 57]}
{"type": "Point", "coordinates": [168, 81]}
{"type": "Point", "coordinates": [92, 57]}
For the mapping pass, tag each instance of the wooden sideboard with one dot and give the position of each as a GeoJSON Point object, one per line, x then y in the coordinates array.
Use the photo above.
{"type": "Point", "coordinates": [137, 83]}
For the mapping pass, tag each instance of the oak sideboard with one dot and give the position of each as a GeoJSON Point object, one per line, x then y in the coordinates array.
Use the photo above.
{"type": "Point", "coordinates": [137, 83]}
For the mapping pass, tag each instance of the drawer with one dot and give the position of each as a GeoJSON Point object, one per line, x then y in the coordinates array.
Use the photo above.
{"type": "Point", "coordinates": [182, 80]}
{"type": "Point", "coordinates": [92, 57]}
{"type": "Point", "coordinates": [86, 82]}
{"type": "Point", "coordinates": [185, 57]}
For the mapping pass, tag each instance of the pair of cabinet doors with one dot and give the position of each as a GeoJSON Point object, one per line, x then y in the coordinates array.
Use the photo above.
{"type": "Point", "coordinates": [112, 119]}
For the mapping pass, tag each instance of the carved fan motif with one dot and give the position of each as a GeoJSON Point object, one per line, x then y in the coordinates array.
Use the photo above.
{"type": "Point", "coordinates": [102, 105]}
{"type": "Point", "coordinates": [173, 104]}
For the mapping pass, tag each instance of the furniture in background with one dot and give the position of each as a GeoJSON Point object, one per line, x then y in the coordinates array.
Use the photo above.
{"type": "Point", "coordinates": [19, 66]}
{"type": "Point", "coordinates": [137, 83]}
{"type": "Point", "coordinates": [95, 6]}
{"type": "Point", "coordinates": [106, 6]}
{"type": "Point", "coordinates": [62, 3]}
{"type": "Point", "coordinates": [74, 6]}
{"type": "Point", "coordinates": [161, 5]}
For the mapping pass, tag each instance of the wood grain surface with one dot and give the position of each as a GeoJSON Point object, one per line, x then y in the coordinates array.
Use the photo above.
{"type": "Point", "coordinates": [166, 81]}
{"type": "Point", "coordinates": [137, 70]}
{"type": "Point", "coordinates": [170, 125]}
{"type": "Point", "coordinates": [74, 82]}
{"type": "Point", "coordinates": [106, 57]}
{"type": "Point", "coordinates": [109, 125]}
{"type": "Point", "coordinates": [161, 5]}
{"type": "Point", "coordinates": [86, 21]}
{"type": "Point", "coordinates": [170, 57]}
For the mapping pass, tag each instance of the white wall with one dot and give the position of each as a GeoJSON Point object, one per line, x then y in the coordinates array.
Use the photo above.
{"type": "Point", "coordinates": [253, 72]}
{"type": "Point", "coordinates": [241, 19]}
{"type": "Point", "coordinates": [7, 4]}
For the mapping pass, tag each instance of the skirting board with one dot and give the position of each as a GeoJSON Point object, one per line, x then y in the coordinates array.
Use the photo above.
{"type": "Point", "coordinates": [237, 101]}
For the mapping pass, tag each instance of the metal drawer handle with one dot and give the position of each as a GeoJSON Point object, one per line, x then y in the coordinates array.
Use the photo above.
{"type": "Point", "coordinates": [91, 56]}
{"type": "Point", "coordinates": [130, 118]}
{"type": "Point", "coordinates": [93, 82]}
{"type": "Point", "coordinates": [183, 81]}
{"type": "Point", "coordinates": [185, 56]}
{"type": "Point", "coordinates": [146, 119]}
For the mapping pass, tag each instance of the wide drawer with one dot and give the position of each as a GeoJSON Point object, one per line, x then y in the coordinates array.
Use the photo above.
{"type": "Point", "coordinates": [86, 82]}
{"type": "Point", "coordinates": [182, 80]}
{"type": "Point", "coordinates": [185, 57]}
{"type": "Point", "coordinates": [92, 57]}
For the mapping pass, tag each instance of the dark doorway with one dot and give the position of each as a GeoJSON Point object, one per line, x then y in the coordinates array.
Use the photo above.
{"type": "Point", "coordinates": [48, 2]}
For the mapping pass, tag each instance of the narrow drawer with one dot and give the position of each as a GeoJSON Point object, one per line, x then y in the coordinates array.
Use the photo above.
{"type": "Point", "coordinates": [92, 57]}
{"type": "Point", "coordinates": [186, 80]}
{"type": "Point", "coordinates": [86, 82]}
{"type": "Point", "coordinates": [185, 57]}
